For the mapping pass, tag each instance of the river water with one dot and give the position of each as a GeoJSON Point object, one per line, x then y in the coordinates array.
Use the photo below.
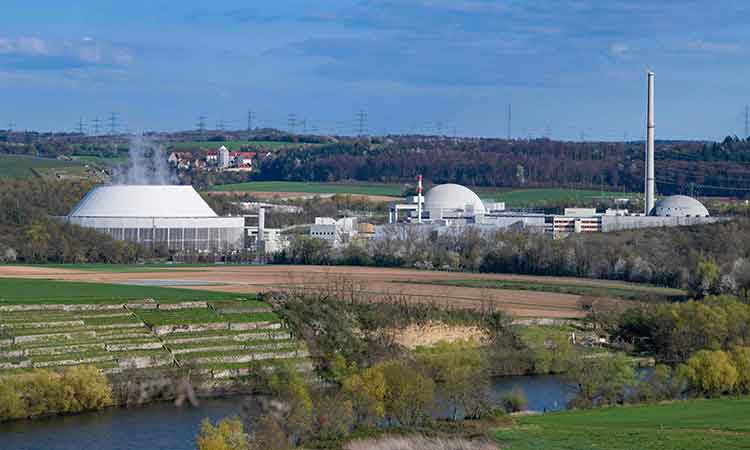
{"type": "Point", "coordinates": [161, 426]}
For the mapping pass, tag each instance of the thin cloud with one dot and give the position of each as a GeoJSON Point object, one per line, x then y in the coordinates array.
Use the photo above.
{"type": "Point", "coordinates": [33, 52]}
{"type": "Point", "coordinates": [714, 47]}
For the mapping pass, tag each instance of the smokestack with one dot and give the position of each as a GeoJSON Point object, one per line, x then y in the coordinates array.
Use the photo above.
{"type": "Point", "coordinates": [650, 188]}
{"type": "Point", "coordinates": [419, 198]}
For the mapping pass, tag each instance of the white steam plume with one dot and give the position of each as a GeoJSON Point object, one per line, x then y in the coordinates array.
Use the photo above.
{"type": "Point", "coordinates": [147, 164]}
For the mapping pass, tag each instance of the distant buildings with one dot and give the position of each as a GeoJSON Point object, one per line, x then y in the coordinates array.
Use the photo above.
{"type": "Point", "coordinates": [221, 159]}
{"type": "Point", "coordinates": [338, 233]}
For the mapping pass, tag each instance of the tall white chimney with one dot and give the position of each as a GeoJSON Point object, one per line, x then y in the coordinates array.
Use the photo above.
{"type": "Point", "coordinates": [419, 199]}
{"type": "Point", "coordinates": [650, 187]}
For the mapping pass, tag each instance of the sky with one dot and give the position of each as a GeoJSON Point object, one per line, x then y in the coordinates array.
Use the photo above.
{"type": "Point", "coordinates": [569, 69]}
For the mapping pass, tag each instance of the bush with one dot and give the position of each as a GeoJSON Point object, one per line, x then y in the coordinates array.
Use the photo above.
{"type": "Point", "coordinates": [514, 401]}
{"type": "Point", "coordinates": [43, 392]}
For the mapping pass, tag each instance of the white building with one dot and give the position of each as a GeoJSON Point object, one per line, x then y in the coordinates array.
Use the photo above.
{"type": "Point", "coordinates": [224, 159]}
{"type": "Point", "coordinates": [337, 232]}
{"type": "Point", "coordinates": [173, 216]}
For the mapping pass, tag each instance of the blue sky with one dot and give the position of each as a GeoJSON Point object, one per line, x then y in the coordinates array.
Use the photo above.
{"type": "Point", "coordinates": [569, 68]}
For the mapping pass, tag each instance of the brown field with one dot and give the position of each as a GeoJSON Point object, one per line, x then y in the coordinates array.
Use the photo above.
{"type": "Point", "coordinates": [376, 283]}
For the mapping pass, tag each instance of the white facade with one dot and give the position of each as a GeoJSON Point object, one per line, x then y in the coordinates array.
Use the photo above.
{"type": "Point", "coordinates": [224, 160]}
{"type": "Point", "coordinates": [175, 217]}
{"type": "Point", "coordinates": [337, 232]}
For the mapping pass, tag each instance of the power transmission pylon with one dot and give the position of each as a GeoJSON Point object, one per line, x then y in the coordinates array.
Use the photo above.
{"type": "Point", "coordinates": [362, 119]}
{"type": "Point", "coordinates": [292, 122]}
{"type": "Point", "coordinates": [113, 123]}
{"type": "Point", "coordinates": [81, 127]}
{"type": "Point", "coordinates": [96, 125]}
{"type": "Point", "coordinates": [201, 125]}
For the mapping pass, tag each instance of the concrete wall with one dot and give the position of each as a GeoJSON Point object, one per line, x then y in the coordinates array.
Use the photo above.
{"type": "Point", "coordinates": [620, 223]}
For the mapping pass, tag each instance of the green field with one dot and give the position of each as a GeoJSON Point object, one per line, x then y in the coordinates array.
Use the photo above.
{"type": "Point", "coordinates": [15, 166]}
{"type": "Point", "coordinates": [29, 291]}
{"type": "Point", "coordinates": [538, 198]}
{"type": "Point", "coordinates": [390, 190]}
{"type": "Point", "coordinates": [125, 268]}
{"type": "Point", "coordinates": [683, 425]}
{"type": "Point", "coordinates": [513, 198]}
{"type": "Point", "coordinates": [623, 291]}
{"type": "Point", "coordinates": [233, 145]}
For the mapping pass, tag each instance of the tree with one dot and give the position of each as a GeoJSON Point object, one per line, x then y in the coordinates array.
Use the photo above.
{"type": "Point", "coordinates": [600, 380]}
{"type": "Point", "coordinates": [269, 435]}
{"type": "Point", "coordinates": [711, 372]}
{"type": "Point", "coordinates": [366, 390]}
{"type": "Point", "coordinates": [741, 362]}
{"type": "Point", "coordinates": [227, 434]}
{"type": "Point", "coordinates": [409, 395]}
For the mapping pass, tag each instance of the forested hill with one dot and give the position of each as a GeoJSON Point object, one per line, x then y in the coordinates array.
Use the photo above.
{"type": "Point", "coordinates": [682, 167]}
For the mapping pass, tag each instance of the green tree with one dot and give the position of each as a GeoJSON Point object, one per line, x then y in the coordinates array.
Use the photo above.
{"type": "Point", "coordinates": [711, 372]}
{"type": "Point", "coordinates": [600, 380]}
{"type": "Point", "coordinates": [227, 434]}
{"type": "Point", "coordinates": [366, 390]}
{"type": "Point", "coordinates": [741, 362]}
{"type": "Point", "coordinates": [409, 395]}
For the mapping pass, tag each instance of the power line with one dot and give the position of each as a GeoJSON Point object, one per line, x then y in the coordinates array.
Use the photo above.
{"type": "Point", "coordinates": [292, 122]}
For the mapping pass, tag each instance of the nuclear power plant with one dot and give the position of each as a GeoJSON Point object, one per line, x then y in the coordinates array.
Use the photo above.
{"type": "Point", "coordinates": [449, 207]}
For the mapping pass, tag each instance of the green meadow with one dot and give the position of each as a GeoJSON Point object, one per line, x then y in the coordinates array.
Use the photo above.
{"type": "Point", "coordinates": [17, 166]}
{"type": "Point", "coordinates": [684, 425]}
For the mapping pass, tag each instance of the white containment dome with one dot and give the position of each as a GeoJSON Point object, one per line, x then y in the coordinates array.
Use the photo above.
{"type": "Point", "coordinates": [450, 199]}
{"type": "Point", "coordinates": [679, 206]}
{"type": "Point", "coordinates": [158, 216]}
{"type": "Point", "coordinates": [143, 201]}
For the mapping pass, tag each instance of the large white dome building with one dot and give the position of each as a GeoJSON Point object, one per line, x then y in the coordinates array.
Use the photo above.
{"type": "Point", "coordinates": [157, 215]}
{"type": "Point", "coordinates": [452, 199]}
{"type": "Point", "coordinates": [679, 206]}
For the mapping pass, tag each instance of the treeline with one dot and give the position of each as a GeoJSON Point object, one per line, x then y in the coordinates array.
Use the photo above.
{"type": "Point", "coordinates": [707, 259]}
{"type": "Point", "coordinates": [683, 167]}
{"type": "Point", "coordinates": [42, 392]}
{"type": "Point", "coordinates": [28, 233]}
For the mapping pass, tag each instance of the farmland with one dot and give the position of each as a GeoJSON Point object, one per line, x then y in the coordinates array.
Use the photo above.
{"type": "Point", "coordinates": [52, 324]}
{"type": "Point", "coordinates": [685, 425]}
{"type": "Point", "coordinates": [513, 198]}
{"type": "Point", "coordinates": [625, 292]}
{"type": "Point", "coordinates": [519, 297]}
{"type": "Point", "coordinates": [380, 189]}
{"type": "Point", "coordinates": [14, 166]}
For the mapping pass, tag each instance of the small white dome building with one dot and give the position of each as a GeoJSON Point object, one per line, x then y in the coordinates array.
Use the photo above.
{"type": "Point", "coordinates": [679, 206]}
{"type": "Point", "coordinates": [175, 217]}
{"type": "Point", "coordinates": [451, 200]}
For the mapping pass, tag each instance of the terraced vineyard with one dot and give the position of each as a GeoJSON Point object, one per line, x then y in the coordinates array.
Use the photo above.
{"type": "Point", "coordinates": [218, 337]}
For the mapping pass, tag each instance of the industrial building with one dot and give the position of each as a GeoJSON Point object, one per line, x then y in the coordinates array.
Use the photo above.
{"type": "Point", "coordinates": [449, 207]}
{"type": "Point", "coordinates": [175, 217]}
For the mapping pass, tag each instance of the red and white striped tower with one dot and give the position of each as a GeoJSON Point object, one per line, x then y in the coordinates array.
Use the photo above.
{"type": "Point", "coordinates": [419, 198]}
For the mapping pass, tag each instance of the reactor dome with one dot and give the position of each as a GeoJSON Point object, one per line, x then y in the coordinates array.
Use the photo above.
{"type": "Point", "coordinates": [679, 206]}
{"type": "Point", "coordinates": [143, 201]}
{"type": "Point", "coordinates": [449, 199]}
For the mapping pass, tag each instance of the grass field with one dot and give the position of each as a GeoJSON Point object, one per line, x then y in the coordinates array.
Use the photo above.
{"type": "Point", "coordinates": [686, 425]}
{"type": "Point", "coordinates": [629, 292]}
{"type": "Point", "coordinates": [390, 190]}
{"type": "Point", "coordinates": [233, 145]}
{"type": "Point", "coordinates": [538, 198]}
{"type": "Point", "coordinates": [27, 291]}
{"type": "Point", "coordinates": [515, 198]}
{"type": "Point", "coordinates": [15, 166]}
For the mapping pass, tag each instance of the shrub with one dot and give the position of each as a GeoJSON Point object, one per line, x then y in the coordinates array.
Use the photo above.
{"type": "Point", "coordinates": [514, 401]}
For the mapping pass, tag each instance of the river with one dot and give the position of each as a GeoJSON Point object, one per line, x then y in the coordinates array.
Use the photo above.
{"type": "Point", "coordinates": [161, 426]}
